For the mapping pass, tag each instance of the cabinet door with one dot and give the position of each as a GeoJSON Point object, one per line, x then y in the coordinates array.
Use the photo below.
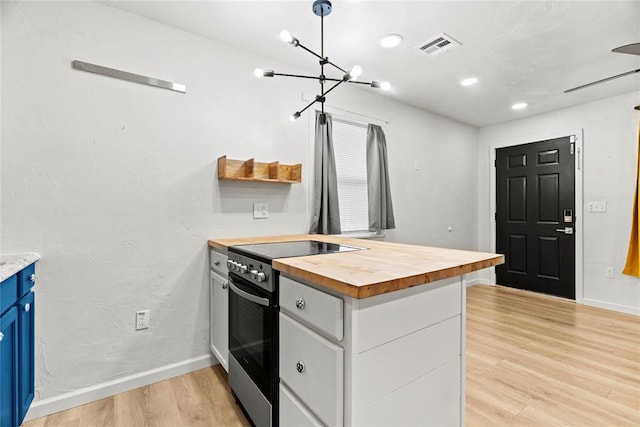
{"type": "Point", "coordinates": [219, 315]}
{"type": "Point", "coordinates": [312, 367]}
{"type": "Point", "coordinates": [8, 367]}
{"type": "Point", "coordinates": [26, 343]}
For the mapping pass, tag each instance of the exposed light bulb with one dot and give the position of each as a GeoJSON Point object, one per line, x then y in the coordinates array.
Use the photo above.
{"type": "Point", "coordinates": [470, 81]}
{"type": "Point", "coordinates": [356, 71]}
{"type": "Point", "coordinates": [259, 72]}
{"type": "Point", "coordinates": [286, 36]}
{"type": "Point", "coordinates": [294, 116]}
{"type": "Point", "coordinates": [385, 86]}
{"type": "Point", "coordinates": [519, 105]}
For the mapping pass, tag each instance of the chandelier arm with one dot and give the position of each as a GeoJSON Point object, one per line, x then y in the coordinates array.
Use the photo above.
{"type": "Point", "coordinates": [307, 107]}
{"type": "Point", "coordinates": [320, 57]}
{"type": "Point", "coordinates": [297, 75]}
{"type": "Point", "coordinates": [310, 51]}
{"type": "Point", "coordinates": [339, 68]}
{"type": "Point", "coordinates": [332, 88]}
{"type": "Point", "coordinates": [359, 82]}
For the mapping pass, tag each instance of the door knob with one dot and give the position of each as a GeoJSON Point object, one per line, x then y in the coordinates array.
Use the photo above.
{"type": "Point", "coordinates": [300, 303]}
{"type": "Point", "coordinates": [300, 367]}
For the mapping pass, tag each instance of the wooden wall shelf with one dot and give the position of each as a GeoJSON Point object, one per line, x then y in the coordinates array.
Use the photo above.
{"type": "Point", "coordinates": [250, 170]}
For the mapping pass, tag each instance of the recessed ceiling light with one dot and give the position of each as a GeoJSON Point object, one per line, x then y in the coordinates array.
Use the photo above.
{"type": "Point", "coordinates": [470, 81]}
{"type": "Point", "coordinates": [391, 40]}
{"type": "Point", "coordinates": [519, 105]}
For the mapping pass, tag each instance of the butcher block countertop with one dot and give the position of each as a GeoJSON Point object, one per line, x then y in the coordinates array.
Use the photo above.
{"type": "Point", "coordinates": [383, 267]}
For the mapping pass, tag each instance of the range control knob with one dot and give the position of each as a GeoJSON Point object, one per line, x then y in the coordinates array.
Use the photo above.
{"type": "Point", "coordinates": [254, 274]}
{"type": "Point", "coordinates": [261, 277]}
{"type": "Point", "coordinates": [243, 268]}
{"type": "Point", "coordinates": [230, 264]}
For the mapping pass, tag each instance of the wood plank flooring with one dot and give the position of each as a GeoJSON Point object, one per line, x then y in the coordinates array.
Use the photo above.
{"type": "Point", "coordinates": [539, 360]}
{"type": "Point", "coordinates": [531, 360]}
{"type": "Point", "coordinates": [200, 398]}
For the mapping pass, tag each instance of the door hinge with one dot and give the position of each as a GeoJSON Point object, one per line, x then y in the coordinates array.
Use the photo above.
{"type": "Point", "coordinates": [572, 148]}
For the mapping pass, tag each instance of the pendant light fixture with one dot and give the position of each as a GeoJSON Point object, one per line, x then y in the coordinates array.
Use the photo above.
{"type": "Point", "coordinates": [321, 8]}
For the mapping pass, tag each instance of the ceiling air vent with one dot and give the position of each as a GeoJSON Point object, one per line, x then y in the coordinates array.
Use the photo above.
{"type": "Point", "coordinates": [439, 44]}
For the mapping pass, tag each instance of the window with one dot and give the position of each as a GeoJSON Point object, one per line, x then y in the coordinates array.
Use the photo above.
{"type": "Point", "coordinates": [350, 150]}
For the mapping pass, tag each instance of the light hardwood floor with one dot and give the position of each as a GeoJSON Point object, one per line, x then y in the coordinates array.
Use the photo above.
{"type": "Point", "coordinates": [531, 360]}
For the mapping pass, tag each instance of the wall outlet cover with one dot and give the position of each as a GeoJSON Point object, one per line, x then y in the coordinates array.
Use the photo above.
{"type": "Point", "coordinates": [609, 272]}
{"type": "Point", "coordinates": [143, 318]}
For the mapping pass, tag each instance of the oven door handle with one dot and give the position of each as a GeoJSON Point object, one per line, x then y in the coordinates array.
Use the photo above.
{"type": "Point", "coordinates": [247, 295]}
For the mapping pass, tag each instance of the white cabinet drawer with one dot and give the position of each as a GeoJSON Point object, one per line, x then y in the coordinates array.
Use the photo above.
{"type": "Point", "coordinates": [320, 383]}
{"type": "Point", "coordinates": [314, 307]}
{"type": "Point", "coordinates": [293, 413]}
{"type": "Point", "coordinates": [218, 262]}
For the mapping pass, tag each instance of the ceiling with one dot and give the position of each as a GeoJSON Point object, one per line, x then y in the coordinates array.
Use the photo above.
{"type": "Point", "coordinates": [527, 51]}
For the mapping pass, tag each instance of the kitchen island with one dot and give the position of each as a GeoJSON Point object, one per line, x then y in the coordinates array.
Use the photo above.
{"type": "Point", "coordinates": [371, 337]}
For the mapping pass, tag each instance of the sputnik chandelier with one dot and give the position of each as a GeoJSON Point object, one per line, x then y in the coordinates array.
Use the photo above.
{"type": "Point", "coordinates": [321, 8]}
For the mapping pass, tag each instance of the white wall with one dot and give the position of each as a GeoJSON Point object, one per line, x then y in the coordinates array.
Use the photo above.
{"type": "Point", "coordinates": [114, 183]}
{"type": "Point", "coordinates": [610, 148]}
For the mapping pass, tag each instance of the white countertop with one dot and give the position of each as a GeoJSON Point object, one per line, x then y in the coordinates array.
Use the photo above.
{"type": "Point", "coordinates": [10, 264]}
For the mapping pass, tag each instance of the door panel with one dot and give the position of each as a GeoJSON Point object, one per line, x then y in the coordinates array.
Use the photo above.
{"type": "Point", "coordinates": [534, 187]}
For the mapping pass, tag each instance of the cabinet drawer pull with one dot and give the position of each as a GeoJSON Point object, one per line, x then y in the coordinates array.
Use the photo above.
{"type": "Point", "coordinates": [300, 303]}
{"type": "Point", "coordinates": [216, 263]}
{"type": "Point", "coordinates": [1, 336]}
{"type": "Point", "coordinates": [27, 307]}
{"type": "Point", "coordinates": [300, 367]}
{"type": "Point", "coordinates": [32, 278]}
{"type": "Point", "coordinates": [225, 285]}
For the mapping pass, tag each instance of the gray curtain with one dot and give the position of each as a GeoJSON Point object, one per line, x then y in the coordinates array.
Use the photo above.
{"type": "Point", "coordinates": [325, 210]}
{"type": "Point", "coordinates": [380, 206]}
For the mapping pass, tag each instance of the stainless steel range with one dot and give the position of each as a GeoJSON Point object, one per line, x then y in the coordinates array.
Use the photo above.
{"type": "Point", "coordinates": [253, 322]}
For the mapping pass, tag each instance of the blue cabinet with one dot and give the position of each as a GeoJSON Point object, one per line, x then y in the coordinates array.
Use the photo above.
{"type": "Point", "coordinates": [26, 354]}
{"type": "Point", "coordinates": [8, 367]}
{"type": "Point", "coordinates": [17, 345]}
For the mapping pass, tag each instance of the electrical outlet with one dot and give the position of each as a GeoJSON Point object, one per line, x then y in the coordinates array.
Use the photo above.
{"type": "Point", "coordinates": [143, 318]}
{"type": "Point", "coordinates": [260, 210]}
{"type": "Point", "coordinates": [609, 272]}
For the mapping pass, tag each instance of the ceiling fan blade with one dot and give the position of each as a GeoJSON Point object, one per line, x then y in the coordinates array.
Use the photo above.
{"type": "Point", "coordinates": [603, 80]}
{"type": "Point", "coordinates": [633, 49]}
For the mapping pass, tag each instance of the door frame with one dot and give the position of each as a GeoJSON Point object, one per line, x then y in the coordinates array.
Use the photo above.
{"type": "Point", "coordinates": [579, 205]}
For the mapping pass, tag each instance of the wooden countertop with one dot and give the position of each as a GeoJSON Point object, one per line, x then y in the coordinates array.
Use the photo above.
{"type": "Point", "coordinates": [383, 267]}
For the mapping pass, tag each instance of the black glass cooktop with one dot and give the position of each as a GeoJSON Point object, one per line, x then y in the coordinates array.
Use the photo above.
{"type": "Point", "coordinates": [271, 251]}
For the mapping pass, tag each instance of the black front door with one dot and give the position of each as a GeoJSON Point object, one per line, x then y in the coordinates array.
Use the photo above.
{"type": "Point", "coordinates": [535, 216]}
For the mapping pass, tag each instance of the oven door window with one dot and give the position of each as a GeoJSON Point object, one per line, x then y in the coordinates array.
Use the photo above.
{"type": "Point", "coordinates": [250, 334]}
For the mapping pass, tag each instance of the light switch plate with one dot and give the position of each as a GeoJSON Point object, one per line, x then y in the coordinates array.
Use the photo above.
{"type": "Point", "coordinates": [597, 207]}
{"type": "Point", "coordinates": [260, 210]}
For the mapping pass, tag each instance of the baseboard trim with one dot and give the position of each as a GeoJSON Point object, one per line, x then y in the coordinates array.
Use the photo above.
{"type": "Point", "coordinates": [86, 395]}
{"type": "Point", "coordinates": [610, 306]}
{"type": "Point", "coordinates": [476, 281]}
